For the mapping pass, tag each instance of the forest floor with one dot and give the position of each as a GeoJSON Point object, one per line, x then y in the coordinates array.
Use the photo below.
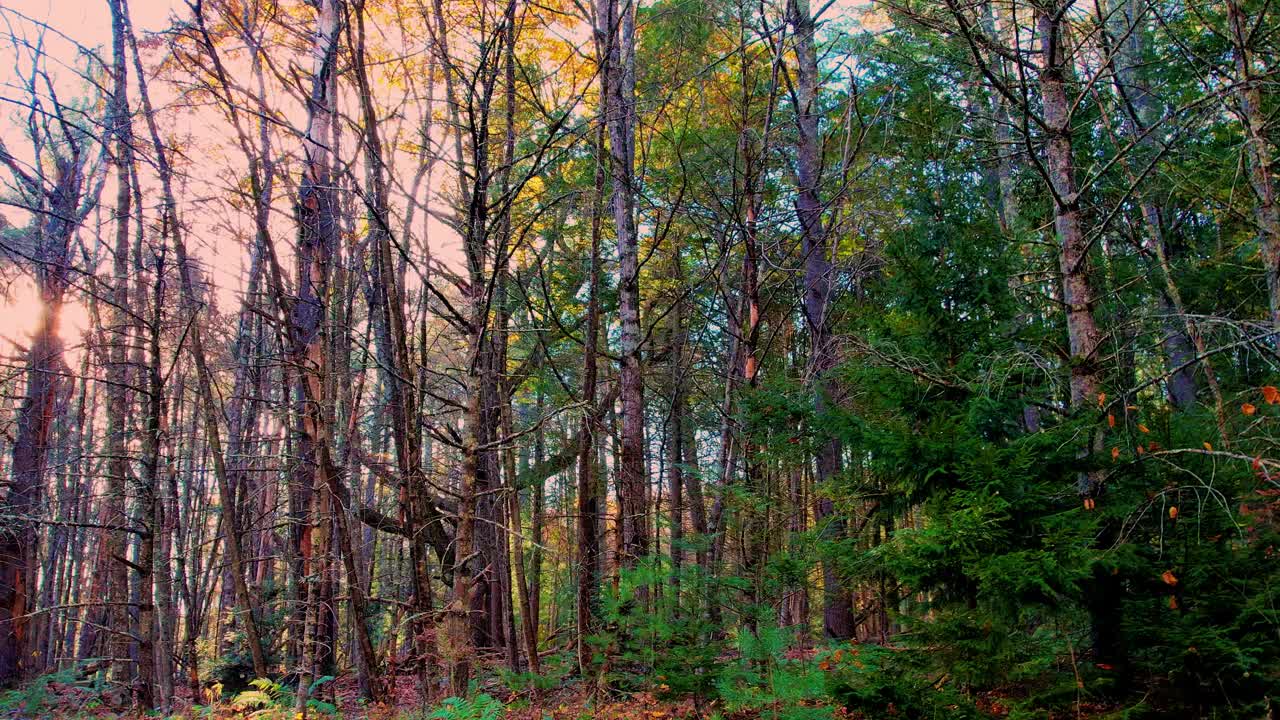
{"type": "Point", "coordinates": [573, 702]}
{"type": "Point", "coordinates": [53, 697]}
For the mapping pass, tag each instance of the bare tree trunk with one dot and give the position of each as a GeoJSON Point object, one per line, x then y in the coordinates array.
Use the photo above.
{"type": "Point", "coordinates": [837, 610]}
{"type": "Point", "coordinates": [118, 400]}
{"type": "Point", "coordinates": [619, 80]}
{"type": "Point", "coordinates": [1078, 288]}
{"type": "Point", "coordinates": [675, 440]}
{"type": "Point", "coordinates": [1079, 296]}
{"type": "Point", "coordinates": [164, 523]}
{"type": "Point", "coordinates": [316, 209]}
{"type": "Point", "coordinates": [1252, 115]}
{"type": "Point", "coordinates": [589, 558]}
{"type": "Point", "coordinates": [1136, 105]}
{"type": "Point", "coordinates": [35, 416]}
{"type": "Point", "coordinates": [538, 523]}
{"type": "Point", "coordinates": [171, 226]}
{"type": "Point", "coordinates": [528, 619]}
{"type": "Point", "coordinates": [528, 622]}
{"type": "Point", "coordinates": [150, 509]}
{"type": "Point", "coordinates": [457, 630]}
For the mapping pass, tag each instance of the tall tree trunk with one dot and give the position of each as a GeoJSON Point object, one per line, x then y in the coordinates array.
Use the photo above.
{"type": "Point", "coordinates": [538, 522]}
{"type": "Point", "coordinates": [589, 558]}
{"type": "Point", "coordinates": [1079, 293]}
{"type": "Point", "coordinates": [619, 81]}
{"type": "Point", "coordinates": [150, 508]}
{"type": "Point", "coordinates": [1248, 108]}
{"type": "Point", "coordinates": [1079, 296]}
{"type": "Point", "coordinates": [676, 421]}
{"type": "Point", "coordinates": [528, 621]}
{"type": "Point", "coordinates": [171, 227]}
{"type": "Point", "coordinates": [317, 217]}
{"type": "Point", "coordinates": [118, 400]}
{"type": "Point", "coordinates": [1004, 184]}
{"type": "Point", "coordinates": [837, 608]}
{"type": "Point", "coordinates": [44, 366]}
{"type": "Point", "coordinates": [35, 418]}
{"type": "Point", "coordinates": [1136, 103]}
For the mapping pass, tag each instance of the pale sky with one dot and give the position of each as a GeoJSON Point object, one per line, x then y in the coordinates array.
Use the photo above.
{"type": "Point", "coordinates": [88, 22]}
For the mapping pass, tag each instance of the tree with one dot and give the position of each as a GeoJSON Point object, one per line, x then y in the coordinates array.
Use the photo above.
{"type": "Point", "coordinates": [57, 186]}
{"type": "Point", "coordinates": [819, 282]}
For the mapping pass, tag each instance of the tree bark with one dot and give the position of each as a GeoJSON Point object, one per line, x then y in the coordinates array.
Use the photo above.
{"type": "Point", "coordinates": [1078, 291]}
{"type": "Point", "coordinates": [589, 558]}
{"type": "Point", "coordinates": [619, 81]}
{"type": "Point", "coordinates": [117, 371]}
{"type": "Point", "coordinates": [837, 609]}
{"type": "Point", "coordinates": [317, 218]}
{"type": "Point", "coordinates": [1248, 108]}
{"type": "Point", "coordinates": [171, 226]}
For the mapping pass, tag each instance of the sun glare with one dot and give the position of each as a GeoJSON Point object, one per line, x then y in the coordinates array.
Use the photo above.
{"type": "Point", "coordinates": [21, 310]}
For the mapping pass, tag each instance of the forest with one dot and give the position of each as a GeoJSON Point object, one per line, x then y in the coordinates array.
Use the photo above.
{"type": "Point", "coordinates": [568, 359]}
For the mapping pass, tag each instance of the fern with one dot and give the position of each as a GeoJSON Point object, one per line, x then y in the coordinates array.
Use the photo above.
{"type": "Point", "coordinates": [481, 707]}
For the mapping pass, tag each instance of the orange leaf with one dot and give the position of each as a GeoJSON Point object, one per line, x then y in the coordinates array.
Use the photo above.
{"type": "Point", "coordinates": [1115, 453]}
{"type": "Point", "coordinates": [1208, 447]}
{"type": "Point", "coordinates": [1173, 512]}
{"type": "Point", "coordinates": [1141, 450]}
{"type": "Point", "coordinates": [1111, 420]}
{"type": "Point", "coordinates": [824, 665]}
{"type": "Point", "coordinates": [1102, 399]}
{"type": "Point", "coordinates": [1169, 578]}
{"type": "Point", "coordinates": [1142, 428]}
{"type": "Point", "coordinates": [1173, 603]}
{"type": "Point", "coordinates": [1248, 409]}
{"type": "Point", "coordinates": [1270, 394]}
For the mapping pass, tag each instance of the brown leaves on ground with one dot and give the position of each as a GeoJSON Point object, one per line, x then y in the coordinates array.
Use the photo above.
{"type": "Point", "coordinates": [575, 704]}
